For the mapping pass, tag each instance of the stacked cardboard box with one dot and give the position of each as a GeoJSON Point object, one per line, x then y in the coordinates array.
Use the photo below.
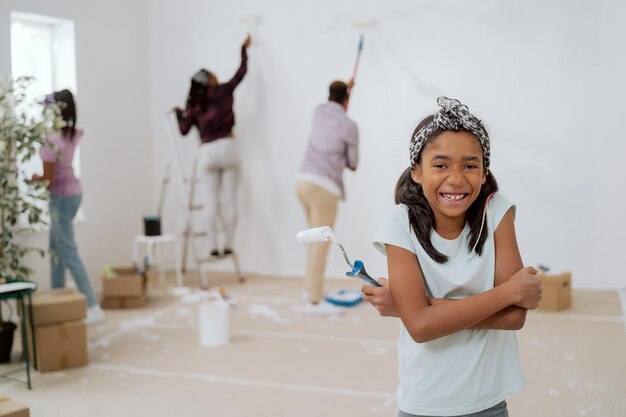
{"type": "Point", "coordinates": [10, 408]}
{"type": "Point", "coordinates": [60, 332]}
{"type": "Point", "coordinates": [126, 288]}
{"type": "Point", "coordinates": [556, 291]}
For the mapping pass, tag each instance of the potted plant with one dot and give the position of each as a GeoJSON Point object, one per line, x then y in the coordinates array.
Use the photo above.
{"type": "Point", "coordinates": [24, 127]}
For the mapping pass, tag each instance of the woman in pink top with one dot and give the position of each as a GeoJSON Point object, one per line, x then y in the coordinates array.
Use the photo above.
{"type": "Point", "coordinates": [65, 198]}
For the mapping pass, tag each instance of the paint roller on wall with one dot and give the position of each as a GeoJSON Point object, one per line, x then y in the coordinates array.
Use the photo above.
{"type": "Point", "coordinates": [250, 22]}
{"type": "Point", "coordinates": [325, 234]}
{"type": "Point", "coordinates": [358, 57]}
{"type": "Point", "coordinates": [250, 19]}
{"type": "Point", "coordinates": [362, 25]}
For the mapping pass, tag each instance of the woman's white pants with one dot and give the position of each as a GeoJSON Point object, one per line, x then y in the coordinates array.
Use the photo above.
{"type": "Point", "coordinates": [218, 165]}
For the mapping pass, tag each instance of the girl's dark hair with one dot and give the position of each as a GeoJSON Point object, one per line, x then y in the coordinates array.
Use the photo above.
{"type": "Point", "coordinates": [421, 217]}
{"type": "Point", "coordinates": [65, 100]}
{"type": "Point", "coordinates": [197, 93]}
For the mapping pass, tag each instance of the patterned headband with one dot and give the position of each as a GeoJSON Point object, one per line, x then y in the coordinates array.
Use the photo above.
{"type": "Point", "coordinates": [453, 115]}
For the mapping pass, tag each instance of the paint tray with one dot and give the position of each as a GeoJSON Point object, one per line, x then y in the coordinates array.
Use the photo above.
{"type": "Point", "coordinates": [344, 298]}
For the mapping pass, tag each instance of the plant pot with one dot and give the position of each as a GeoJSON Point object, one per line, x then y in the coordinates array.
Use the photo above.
{"type": "Point", "coordinates": [7, 329]}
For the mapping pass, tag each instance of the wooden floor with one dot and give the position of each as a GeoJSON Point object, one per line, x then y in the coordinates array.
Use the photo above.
{"type": "Point", "coordinates": [148, 362]}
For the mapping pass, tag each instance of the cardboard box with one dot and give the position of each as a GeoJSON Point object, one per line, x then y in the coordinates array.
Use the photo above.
{"type": "Point", "coordinates": [126, 290]}
{"type": "Point", "coordinates": [10, 408]}
{"type": "Point", "coordinates": [124, 302]}
{"type": "Point", "coordinates": [556, 291]}
{"type": "Point", "coordinates": [56, 306]}
{"type": "Point", "coordinates": [61, 346]}
{"type": "Point", "coordinates": [127, 283]}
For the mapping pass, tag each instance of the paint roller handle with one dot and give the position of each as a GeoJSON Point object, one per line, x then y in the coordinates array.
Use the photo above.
{"type": "Point", "coordinates": [356, 68]}
{"type": "Point", "coordinates": [366, 277]}
{"type": "Point", "coordinates": [358, 60]}
{"type": "Point", "coordinates": [359, 271]}
{"type": "Point", "coordinates": [349, 84]}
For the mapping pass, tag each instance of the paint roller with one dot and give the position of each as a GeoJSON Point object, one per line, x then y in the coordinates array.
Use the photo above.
{"type": "Point", "coordinates": [325, 234]}
{"type": "Point", "coordinates": [356, 64]}
{"type": "Point", "coordinates": [362, 25]}
{"type": "Point", "coordinates": [315, 235]}
{"type": "Point", "coordinates": [365, 23]}
{"type": "Point", "coordinates": [250, 21]}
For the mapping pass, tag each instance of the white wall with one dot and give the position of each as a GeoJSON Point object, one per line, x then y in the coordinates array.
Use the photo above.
{"type": "Point", "coordinates": [544, 76]}
{"type": "Point", "coordinates": [111, 60]}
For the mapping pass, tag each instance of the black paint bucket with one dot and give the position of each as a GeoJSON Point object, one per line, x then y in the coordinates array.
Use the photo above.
{"type": "Point", "coordinates": [152, 225]}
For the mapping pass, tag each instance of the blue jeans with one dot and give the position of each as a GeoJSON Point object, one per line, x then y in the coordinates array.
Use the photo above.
{"type": "Point", "coordinates": [63, 249]}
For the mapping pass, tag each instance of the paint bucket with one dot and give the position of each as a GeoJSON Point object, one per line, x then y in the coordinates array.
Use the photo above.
{"type": "Point", "coordinates": [213, 322]}
{"type": "Point", "coordinates": [152, 226]}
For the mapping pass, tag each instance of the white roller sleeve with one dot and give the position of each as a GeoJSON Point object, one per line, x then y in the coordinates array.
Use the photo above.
{"type": "Point", "coordinates": [315, 235]}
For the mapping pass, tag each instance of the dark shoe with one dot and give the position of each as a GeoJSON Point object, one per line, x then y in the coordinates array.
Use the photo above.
{"type": "Point", "coordinates": [228, 251]}
{"type": "Point", "coordinates": [215, 253]}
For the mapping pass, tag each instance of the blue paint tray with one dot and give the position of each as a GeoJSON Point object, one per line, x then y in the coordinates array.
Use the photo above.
{"type": "Point", "coordinates": [344, 298]}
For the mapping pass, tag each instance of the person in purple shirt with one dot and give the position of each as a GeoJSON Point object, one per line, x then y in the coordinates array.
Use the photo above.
{"type": "Point", "coordinates": [333, 146]}
{"type": "Point", "coordinates": [210, 109]}
{"type": "Point", "coordinates": [65, 197]}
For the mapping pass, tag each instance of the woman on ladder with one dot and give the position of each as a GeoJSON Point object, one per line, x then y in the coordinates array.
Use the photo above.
{"type": "Point", "coordinates": [210, 109]}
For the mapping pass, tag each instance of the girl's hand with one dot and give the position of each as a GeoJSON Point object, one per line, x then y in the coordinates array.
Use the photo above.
{"type": "Point", "coordinates": [380, 298]}
{"type": "Point", "coordinates": [527, 288]}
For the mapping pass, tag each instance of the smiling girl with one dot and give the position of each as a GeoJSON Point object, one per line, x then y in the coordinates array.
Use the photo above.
{"type": "Point", "coordinates": [456, 277]}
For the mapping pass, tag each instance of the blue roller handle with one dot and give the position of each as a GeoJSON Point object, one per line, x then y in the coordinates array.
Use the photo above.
{"type": "Point", "coordinates": [358, 270]}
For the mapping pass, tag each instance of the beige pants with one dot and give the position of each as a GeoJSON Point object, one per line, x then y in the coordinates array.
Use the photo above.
{"type": "Point", "coordinates": [320, 209]}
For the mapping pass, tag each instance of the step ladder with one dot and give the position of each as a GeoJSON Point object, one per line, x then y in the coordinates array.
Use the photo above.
{"type": "Point", "coordinates": [186, 193]}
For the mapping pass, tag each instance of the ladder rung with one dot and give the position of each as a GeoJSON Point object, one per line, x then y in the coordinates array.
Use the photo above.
{"type": "Point", "coordinates": [196, 207]}
{"type": "Point", "coordinates": [194, 234]}
{"type": "Point", "coordinates": [207, 260]}
{"type": "Point", "coordinates": [212, 259]}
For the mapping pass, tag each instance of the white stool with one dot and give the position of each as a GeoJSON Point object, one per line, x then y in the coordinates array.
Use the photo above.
{"type": "Point", "coordinates": [149, 245]}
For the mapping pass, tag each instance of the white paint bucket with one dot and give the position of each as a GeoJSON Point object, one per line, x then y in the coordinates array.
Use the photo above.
{"type": "Point", "coordinates": [213, 322]}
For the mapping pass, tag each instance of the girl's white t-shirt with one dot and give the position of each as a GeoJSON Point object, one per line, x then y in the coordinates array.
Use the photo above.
{"type": "Point", "coordinates": [467, 371]}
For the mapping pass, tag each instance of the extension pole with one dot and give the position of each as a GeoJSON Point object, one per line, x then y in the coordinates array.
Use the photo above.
{"type": "Point", "coordinates": [356, 64]}
{"type": "Point", "coordinates": [358, 57]}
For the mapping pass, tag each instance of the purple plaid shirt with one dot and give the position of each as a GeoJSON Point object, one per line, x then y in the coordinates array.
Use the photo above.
{"type": "Point", "coordinates": [333, 144]}
{"type": "Point", "coordinates": [217, 119]}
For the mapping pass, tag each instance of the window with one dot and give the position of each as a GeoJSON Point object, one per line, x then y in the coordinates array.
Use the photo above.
{"type": "Point", "coordinates": [43, 47]}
